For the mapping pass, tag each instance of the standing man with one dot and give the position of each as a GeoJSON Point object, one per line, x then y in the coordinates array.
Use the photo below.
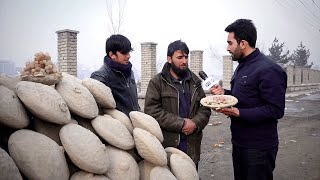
{"type": "Point", "coordinates": [117, 74]}
{"type": "Point", "coordinates": [173, 99]}
{"type": "Point", "coordinates": [260, 87]}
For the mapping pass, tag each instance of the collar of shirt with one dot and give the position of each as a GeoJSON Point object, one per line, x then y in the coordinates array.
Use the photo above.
{"type": "Point", "coordinates": [180, 81]}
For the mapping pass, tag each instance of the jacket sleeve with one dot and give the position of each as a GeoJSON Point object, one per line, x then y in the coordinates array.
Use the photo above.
{"type": "Point", "coordinates": [272, 89]}
{"type": "Point", "coordinates": [227, 92]}
{"type": "Point", "coordinates": [203, 113]}
{"type": "Point", "coordinates": [153, 107]}
{"type": "Point", "coordinates": [97, 75]}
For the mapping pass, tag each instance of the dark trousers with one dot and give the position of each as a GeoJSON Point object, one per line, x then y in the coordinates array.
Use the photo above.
{"type": "Point", "coordinates": [184, 147]}
{"type": "Point", "coordinates": [253, 164]}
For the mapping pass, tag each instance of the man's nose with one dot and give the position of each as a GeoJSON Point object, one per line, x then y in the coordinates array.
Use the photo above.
{"type": "Point", "coordinates": [228, 48]}
{"type": "Point", "coordinates": [184, 59]}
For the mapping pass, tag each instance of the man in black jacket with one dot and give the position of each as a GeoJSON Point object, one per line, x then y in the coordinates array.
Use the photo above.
{"type": "Point", "coordinates": [260, 87]}
{"type": "Point", "coordinates": [117, 74]}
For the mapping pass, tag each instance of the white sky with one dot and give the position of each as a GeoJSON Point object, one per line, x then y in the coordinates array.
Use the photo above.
{"type": "Point", "coordinates": [29, 26]}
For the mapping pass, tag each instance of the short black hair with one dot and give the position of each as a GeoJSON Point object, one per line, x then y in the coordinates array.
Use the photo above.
{"type": "Point", "coordinates": [118, 42]}
{"type": "Point", "coordinates": [177, 45]}
{"type": "Point", "coordinates": [243, 29]}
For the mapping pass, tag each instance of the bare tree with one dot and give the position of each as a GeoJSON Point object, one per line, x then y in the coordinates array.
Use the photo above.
{"type": "Point", "coordinates": [116, 11]}
{"type": "Point", "coordinates": [214, 54]}
{"type": "Point", "coordinates": [159, 64]}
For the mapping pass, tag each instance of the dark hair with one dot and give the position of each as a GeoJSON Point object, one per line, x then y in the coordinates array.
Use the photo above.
{"type": "Point", "coordinates": [177, 45]}
{"type": "Point", "coordinates": [118, 42]}
{"type": "Point", "coordinates": [243, 29]}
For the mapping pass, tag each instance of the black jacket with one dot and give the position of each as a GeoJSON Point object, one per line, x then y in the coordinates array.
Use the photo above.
{"type": "Point", "coordinates": [260, 86]}
{"type": "Point", "coordinates": [124, 90]}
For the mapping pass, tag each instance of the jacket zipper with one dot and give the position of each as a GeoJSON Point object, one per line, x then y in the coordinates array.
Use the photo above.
{"type": "Point", "coordinates": [178, 101]}
{"type": "Point", "coordinates": [195, 90]}
{"type": "Point", "coordinates": [126, 83]}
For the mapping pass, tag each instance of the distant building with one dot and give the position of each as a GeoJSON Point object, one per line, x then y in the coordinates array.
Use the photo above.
{"type": "Point", "coordinates": [7, 67]}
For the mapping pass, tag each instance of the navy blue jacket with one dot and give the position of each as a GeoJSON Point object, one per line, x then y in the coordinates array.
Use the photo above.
{"type": "Point", "coordinates": [260, 87]}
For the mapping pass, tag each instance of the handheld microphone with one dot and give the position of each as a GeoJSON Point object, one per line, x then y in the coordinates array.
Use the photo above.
{"type": "Point", "coordinates": [208, 82]}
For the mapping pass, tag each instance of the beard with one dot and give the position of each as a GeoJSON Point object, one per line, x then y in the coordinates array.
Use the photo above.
{"type": "Point", "coordinates": [237, 54]}
{"type": "Point", "coordinates": [179, 72]}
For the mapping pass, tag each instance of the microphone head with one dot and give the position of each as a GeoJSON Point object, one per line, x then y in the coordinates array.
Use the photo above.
{"type": "Point", "coordinates": [203, 75]}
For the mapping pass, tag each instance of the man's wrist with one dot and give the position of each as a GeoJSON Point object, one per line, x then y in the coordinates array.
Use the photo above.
{"type": "Point", "coordinates": [184, 123]}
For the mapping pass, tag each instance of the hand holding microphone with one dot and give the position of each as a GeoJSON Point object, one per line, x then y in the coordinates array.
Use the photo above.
{"type": "Point", "coordinates": [217, 90]}
{"type": "Point", "coordinates": [210, 84]}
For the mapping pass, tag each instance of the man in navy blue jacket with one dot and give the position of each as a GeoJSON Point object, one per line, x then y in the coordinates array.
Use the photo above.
{"type": "Point", "coordinates": [260, 87]}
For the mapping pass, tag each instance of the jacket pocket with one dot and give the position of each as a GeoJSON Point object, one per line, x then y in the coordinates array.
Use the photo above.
{"type": "Point", "coordinates": [169, 101]}
{"type": "Point", "coordinates": [248, 85]}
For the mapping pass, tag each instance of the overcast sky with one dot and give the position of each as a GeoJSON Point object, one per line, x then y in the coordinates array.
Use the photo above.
{"type": "Point", "coordinates": [29, 26]}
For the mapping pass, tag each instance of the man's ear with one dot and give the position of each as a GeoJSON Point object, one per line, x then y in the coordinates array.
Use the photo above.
{"type": "Point", "coordinates": [244, 44]}
{"type": "Point", "coordinates": [169, 60]}
{"type": "Point", "coordinates": [111, 55]}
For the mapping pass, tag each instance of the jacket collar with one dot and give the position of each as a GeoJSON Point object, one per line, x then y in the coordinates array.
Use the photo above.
{"type": "Point", "coordinates": [251, 57]}
{"type": "Point", "coordinates": [167, 76]}
{"type": "Point", "coordinates": [124, 69]}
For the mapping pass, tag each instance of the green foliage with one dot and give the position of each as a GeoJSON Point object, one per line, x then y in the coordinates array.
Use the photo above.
{"type": "Point", "coordinates": [276, 52]}
{"type": "Point", "coordinates": [300, 56]}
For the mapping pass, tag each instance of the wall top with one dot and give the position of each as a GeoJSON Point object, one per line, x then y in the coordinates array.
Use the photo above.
{"type": "Point", "coordinates": [195, 51]}
{"type": "Point", "coordinates": [145, 43]}
{"type": "Point", "coordinates": [227, 56]}
{"type": "Point", "coordinates": [67, 30]}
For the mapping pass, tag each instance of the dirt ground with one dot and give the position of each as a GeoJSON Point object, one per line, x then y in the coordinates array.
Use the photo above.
{"type": "Point", "coordinates": [299, 134]}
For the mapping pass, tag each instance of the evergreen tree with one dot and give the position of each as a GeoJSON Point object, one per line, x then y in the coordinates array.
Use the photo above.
{"type": "Point", "coordinates": [300, 56]}
{"type": "Point", "coordinates": [276, 52]}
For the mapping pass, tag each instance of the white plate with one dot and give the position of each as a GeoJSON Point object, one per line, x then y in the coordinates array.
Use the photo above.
{"type": "Point", "coordinates": [219, 101]}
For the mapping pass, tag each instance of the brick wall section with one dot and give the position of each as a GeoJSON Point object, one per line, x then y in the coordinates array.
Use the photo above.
{"type": "Point", "coordinates": [297, 76]}
{"type": "Point", "coordinates": [196, 60]}
{"type": "Point", "coordinates": [305, 76]}
{"type": "Point", "coordinates": [148, 64]}
{"type": "Point", "coordinates": [302, 78]}
{"type": "Point", "coordinates": [314, 76]}
{"type": "Point", "coordinates": [67, 51]}
{"type": "Point", "coordinates": [227, 71]}
{"type": "Point", "coordinates": [290, 73]}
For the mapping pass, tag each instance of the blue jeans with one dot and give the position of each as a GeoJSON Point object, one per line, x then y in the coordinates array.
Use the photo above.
{"type": "Point", "coordinates": [253, 164]}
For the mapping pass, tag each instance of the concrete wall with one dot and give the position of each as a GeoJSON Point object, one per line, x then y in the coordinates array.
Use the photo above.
{"type": "Point", "coordinates": [302, 78]}
{"type": "Point", "coordinates": [290, 75]}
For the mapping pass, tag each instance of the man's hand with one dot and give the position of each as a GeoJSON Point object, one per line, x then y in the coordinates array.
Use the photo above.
{"type": "Point", "coordinates": [217, 90]}
{"type": "Point", "coordinates": [229, 111]}
{"type": "Point", "coordinates": [189, 126]}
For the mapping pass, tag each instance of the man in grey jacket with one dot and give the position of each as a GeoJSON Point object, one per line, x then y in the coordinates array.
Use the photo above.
{"type": "Point", "coordinates": [173, 99]}
{"type": "Point", "coordinates": [117, 74]}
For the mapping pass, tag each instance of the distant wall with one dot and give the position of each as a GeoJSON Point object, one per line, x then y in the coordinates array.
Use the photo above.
{"type": "Point", "coordinates": [302, 78]}
{"type": "Point", "coordinates": [298, 78]}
